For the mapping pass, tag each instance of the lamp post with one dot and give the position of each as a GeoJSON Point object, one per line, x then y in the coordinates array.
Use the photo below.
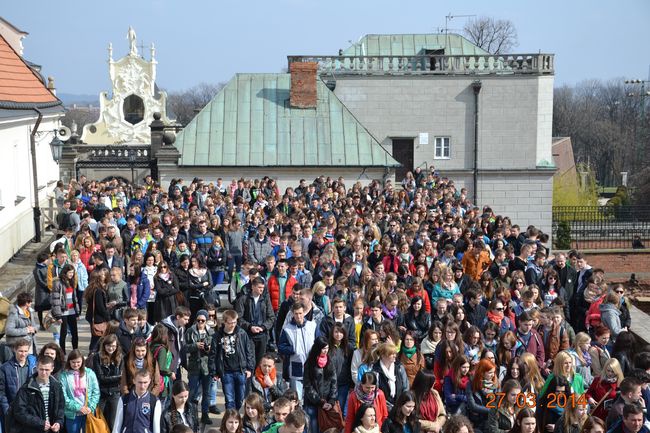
{"type": "Point", "coordinates": [641, 95]}
{"type": "Point", "coordinates": [56, 146]}
{"type": "Point", "coordinates": [132, 162]}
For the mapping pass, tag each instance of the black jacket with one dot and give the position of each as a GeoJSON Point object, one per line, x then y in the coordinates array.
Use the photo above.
{"type": "Point", "coordinates": [477, 410]}
{"type": "Point", "coordinates": [390, 426]}
{"type": "Point", "coordinates": [190, 413]}
{"type": "Point", "coordinates": [475, 315]}
{"type": "Point", "coordinates": [320, 388]}
{"type": "Point", "coordinates": [401, 382]}
{"type": "Point", "coordinates": [244, 350]}
{"type": "Point", "coordinates": [27, 412]}
{"type": "Point", "coordinates": [183, 277]}
{"type": "Point", "coordinates": [327, 324]}
{"type": "Point", "coordinates": [97, 311]}
{"type": "Point", "coordinates": [419, 325]}
{"type": "Point", "coordinates": [166, 291]}
{"type": "Point", "coordinates": [244, 307]}
{"type": "Point", "coordinates": [108, 377]}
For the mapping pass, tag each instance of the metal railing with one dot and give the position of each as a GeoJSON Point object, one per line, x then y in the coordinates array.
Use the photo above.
{"type": "Point", "coordinates": [500, 64]}
{"type": "Point", "coordinates": [601, 227]}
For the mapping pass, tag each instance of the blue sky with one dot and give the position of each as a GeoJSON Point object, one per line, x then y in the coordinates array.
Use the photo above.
{"type": "Point", "coordinates": [210, 40]}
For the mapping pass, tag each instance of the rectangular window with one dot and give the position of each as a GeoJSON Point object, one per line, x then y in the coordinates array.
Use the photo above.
{"type": "Point", "coordinates": [443, 148]}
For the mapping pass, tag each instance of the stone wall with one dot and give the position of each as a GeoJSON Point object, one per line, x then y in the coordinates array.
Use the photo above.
{"type": "Point", "coordinates": [622, 263]}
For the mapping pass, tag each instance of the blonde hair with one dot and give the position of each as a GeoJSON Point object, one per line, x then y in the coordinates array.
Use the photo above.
{"type": "Point", "coordinates": [534, 374]}
{"type": "Point", "coordinates": [559, 360]}
{"type": "Point", "coordinates": [581, 338]}
{"type": "Point", "coordinates": [616, 368]}
{"type": "Point", "coordinates": [386, 349]}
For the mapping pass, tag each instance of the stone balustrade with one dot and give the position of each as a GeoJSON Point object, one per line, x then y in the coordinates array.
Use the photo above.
{"type": "Point", "coordinates": [120, 153]}
{"type": "Point", "coordinates": [502, 64]}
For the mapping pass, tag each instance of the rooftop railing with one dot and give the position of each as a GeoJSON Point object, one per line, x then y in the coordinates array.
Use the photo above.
{"type": "Point", "coordinates": [505, 64]}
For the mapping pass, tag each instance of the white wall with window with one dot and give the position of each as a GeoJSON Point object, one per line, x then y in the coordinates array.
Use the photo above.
{"type": "Point", "coordinates": [442, 148]}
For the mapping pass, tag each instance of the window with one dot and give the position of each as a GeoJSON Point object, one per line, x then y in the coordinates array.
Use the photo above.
{"type": "Point", "coordinates": [443, 150]}
{"type": "Point", "coordinates": [133, 109]}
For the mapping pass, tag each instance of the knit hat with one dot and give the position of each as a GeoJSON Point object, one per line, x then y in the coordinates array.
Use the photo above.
{"type": "Point", "coordinates": [203, 313]}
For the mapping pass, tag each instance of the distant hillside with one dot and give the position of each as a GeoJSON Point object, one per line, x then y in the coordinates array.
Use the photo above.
{"type": "Point", "coordinates": [71, 98]}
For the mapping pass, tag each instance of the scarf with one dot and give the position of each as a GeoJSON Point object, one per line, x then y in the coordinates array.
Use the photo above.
{"type": "Point", "coordinates": [321, 360]}
{"type": "Point", "coordinates": [389, 372]}
{"type": "Point", "coordinates": [198, 273]}
{"type": "Point", "coordinates": [26, 312]}
{"type": "Point", "coordinates": [260, 376]}
{"type": "Point", "coordinates": [79, 385]}
{"type": "Point", "coordinates": [429, 407]}
{"type": "Point", "coordinates": [164, 276]}
{"type": "Point", "coordinates": [139, 363]}
{"type": "Point", "coordinates": [363, 397]}
{"type": "Point", "coordinates": [489, 385]}
{"type": "Point", "coordinates": [361, 429]}
{"type": "Point", "coordinates": [409, 352]}
{"type": "Point", "coordinates": [587, 356]}
{"type": "Point", "coordinates": [495, 316]}
{"type": "Point", "coordinates": [390, 314]}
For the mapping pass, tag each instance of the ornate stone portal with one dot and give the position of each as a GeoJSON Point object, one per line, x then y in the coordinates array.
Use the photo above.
{"type": "Point", "coordinates": [125, 116]}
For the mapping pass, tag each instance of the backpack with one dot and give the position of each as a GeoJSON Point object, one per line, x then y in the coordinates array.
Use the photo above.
{"type": "Point", "coordinates": [592, 319]}
{"type": "Point", "coordinates": [66, 221]}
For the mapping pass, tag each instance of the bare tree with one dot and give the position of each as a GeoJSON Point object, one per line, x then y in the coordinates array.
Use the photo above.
{"type": "Point", "coordinates": [493, 35]}
{"type": "Point", "coordinates": [80, 117]}
{"type": "Point", "coordinates": [607, 127]}
{"type": "Point", "coordinates": [183, 105]}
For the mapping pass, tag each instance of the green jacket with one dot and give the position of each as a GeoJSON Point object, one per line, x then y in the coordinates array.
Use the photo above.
{"type": "Point", "coordinates": [74, 404]}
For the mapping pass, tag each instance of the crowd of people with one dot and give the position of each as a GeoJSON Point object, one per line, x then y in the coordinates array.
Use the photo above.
{"type": "Point", "coordinates": [392, 308]}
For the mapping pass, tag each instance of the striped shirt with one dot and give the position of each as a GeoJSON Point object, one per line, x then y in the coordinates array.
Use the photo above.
{"type": "Point", "coordinates": [45, 390]}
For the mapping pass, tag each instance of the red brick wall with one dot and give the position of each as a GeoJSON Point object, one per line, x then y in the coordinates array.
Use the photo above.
{"type": "Point", "coordinates": [303, 84]}
{"type": "Point", "coordinates": [622, 263]}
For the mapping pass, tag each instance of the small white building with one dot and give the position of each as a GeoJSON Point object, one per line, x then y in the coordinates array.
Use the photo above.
{"type": "Point", "coordinates": [125, 113]}
{"type": "Point", "coordinates": [24, 98]}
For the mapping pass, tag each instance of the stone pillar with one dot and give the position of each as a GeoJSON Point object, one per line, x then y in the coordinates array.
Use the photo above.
{"type": "Point", "coordinates": [303, 92]}
{"type": "Point", "coordinates": [157, 130]}
{"type": "Point", "coordinates": [167, 156]}
{"type": "Point", "coordinates": [67, 164]}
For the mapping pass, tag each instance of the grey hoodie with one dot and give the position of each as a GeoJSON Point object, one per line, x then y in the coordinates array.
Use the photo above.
{"type": "Point", "coordinates": [611, 317]}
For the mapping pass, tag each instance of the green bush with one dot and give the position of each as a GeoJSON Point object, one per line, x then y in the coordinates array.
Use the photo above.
{"type": "Point", "coordinates": [563, 236]}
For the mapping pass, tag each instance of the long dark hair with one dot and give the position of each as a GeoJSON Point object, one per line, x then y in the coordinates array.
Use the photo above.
{"type": "Point", "coordinates": [231, 413]}
{"type": "Point", "coordinates": [344, 346]}
{"type": "Point", "coordinates": [311, 365]}
{"type": "Point", "coordinates": [116, 357]}
{"type": "Point", "coordinates": [397, 415]}
{"type": "Point", "coordinates": [525, 413]}
{"type": "Point", "coordinates": [59, 360]}
{"type": "Point", "coordinates": [76, 354]}
{"type": "Point", "coordinates": [159, 335]}
{"type": "Point", "coordinates": [360, 413]}
{"type": "Point", "coordinates": [63, 275]}
{"type": "Point", "coordinates": [422, 385]}
{"type": "Point", "coordinates": [178, 387]}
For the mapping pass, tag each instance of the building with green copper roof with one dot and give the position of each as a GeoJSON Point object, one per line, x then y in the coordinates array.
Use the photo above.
{"type": "Point", "coordinates": [413, 45]}
{"type": "Point", "coordinates": [250, 123]}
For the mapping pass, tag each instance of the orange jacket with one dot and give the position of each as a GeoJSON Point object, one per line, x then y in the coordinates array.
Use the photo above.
{"type": "Point", "coordinates": [274, 290]}
{"type": "Point", "coordinates": [474, 267]}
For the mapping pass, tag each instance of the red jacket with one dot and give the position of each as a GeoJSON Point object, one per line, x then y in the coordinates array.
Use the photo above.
{"type": "Point", "coordinates": [274, 290]}
{"type": "Point", "coordinates": [381, 411]}
{"type": "Point", "coordinates": [422, 294]}
{"type": "Point", "coordinates": [391, 265]}
{"type": "Point", "coordinates": [597, 390]}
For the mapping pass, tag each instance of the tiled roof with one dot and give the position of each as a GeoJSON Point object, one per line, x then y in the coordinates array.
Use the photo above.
{"type": "Point", "coordinates": [250, 123]}
{"type": "Point", "coordinates": [412, 45]}
{"type": "Point", "coordinates": [18, 83]}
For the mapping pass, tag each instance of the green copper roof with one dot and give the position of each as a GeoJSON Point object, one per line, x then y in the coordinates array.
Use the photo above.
{"type": "Point", "coordinates": [250, 123]}
{"type": "Point", "coordinates": [412, 45]}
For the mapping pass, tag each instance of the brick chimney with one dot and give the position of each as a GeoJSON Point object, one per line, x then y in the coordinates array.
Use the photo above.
{"type": "Point", "coordinates": [303, 84]}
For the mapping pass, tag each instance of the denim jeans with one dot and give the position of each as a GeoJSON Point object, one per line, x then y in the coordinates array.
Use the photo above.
{"type": "Point", "coordinates": [234, 388]}
{"type": "Point", "coordinates": [213, 393]}
{"type": "Point", "coordinates": [200, 387]}
{"type": "Point", "coordinates": [344, 391]}
{"type": "Point", "coordinates": [312, 411]}
{"type": "Point", "coordinates": [217, 277]}
{"type": "Point", "coordinates": [76, 425]}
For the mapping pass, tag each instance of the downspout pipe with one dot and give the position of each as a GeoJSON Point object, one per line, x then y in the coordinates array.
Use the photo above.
{"type": "Point", "coordinates": [32, 146]}
{"type": "Point", "coordinates": [476, 86]}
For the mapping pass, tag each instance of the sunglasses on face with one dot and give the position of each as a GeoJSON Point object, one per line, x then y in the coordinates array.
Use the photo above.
{"type": "Point", "coordinates": [500, 309]}
{"type": "Point", "coordinates": [200, 321]}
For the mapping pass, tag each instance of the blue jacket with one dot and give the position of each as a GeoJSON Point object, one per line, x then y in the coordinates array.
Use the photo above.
{"type": "Point", "coordinates": [9, 385]}
{"type": "Point", "coordinates": [143, 291]}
